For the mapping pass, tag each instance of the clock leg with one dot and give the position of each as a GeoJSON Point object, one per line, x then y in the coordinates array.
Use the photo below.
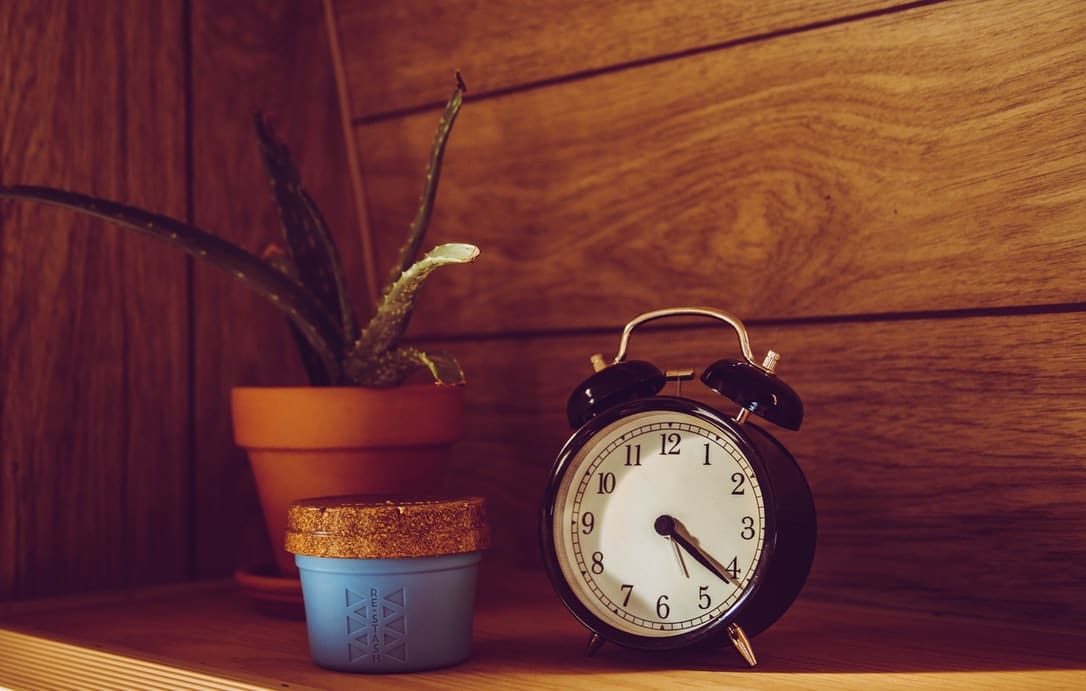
{"type": "Point", "coordinates": [594, 644]}
{"type": "Point", "coordinates": [742, 644]}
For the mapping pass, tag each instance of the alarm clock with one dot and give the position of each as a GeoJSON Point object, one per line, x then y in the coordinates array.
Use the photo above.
{"type": "Point", "coordinates": [668, 523]}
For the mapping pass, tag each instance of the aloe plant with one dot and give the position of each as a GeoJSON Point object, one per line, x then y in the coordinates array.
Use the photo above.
{"type": "Point", "coordinates": [306, 279]}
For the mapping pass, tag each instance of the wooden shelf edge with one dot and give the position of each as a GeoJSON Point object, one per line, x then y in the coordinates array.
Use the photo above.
{"type": "Point", "coordinates": [34, 662]}
{"type": "Point", "coordinates": [206, 635]}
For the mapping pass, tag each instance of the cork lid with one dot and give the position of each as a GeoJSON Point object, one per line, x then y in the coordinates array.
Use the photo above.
{"type": "Point", "coordinates": [367, 527]}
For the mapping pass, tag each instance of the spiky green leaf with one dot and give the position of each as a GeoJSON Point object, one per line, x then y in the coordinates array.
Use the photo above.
{"type": "Point", "coordinates": [278, 258]}
{"type": "Point", "coordinates": [310, 242]}
{"type": "Point", "coordinates": [421, 222]}
{"type": "Point", "coordinates": [301, 307]}
{"type": "Point", "coordinates": [390, 368]}
{"type": "Point", "coordinates": [394, 312]}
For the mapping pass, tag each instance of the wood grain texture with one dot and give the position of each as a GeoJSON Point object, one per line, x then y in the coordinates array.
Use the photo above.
{"type": "Point", "coordinates": [875, 166]}
{"type": "Point", "coordinates": [93, 327]}
{"type": "Point", "coordinates": [31, 662]}
{"type": "Point", "coordinates": [947, 457]}
{"type": "Point", "coordinates": [248, 57]}
{"type": "Point", "coordinates": [399, 54]}
{"type": "Point", "coordinates": [524, 638]}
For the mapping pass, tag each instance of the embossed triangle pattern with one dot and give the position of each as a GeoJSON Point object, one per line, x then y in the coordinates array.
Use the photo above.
{"type": "Point", "coordinates": [394, 626]}
{"type": "Point", "coordinates": [373, 637]}
{"type": "Point", "coordinates": [396, 598]}
{"type": "Point", "coordinates": [354, 598]}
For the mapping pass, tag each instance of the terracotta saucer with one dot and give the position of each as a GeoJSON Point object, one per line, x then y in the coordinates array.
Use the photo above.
{"type": "Point", "coordinates": [272, 593]}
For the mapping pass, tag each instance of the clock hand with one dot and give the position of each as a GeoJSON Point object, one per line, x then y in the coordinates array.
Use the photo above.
{"type": "Point", "coordinates": [671, 527]}
{"type": "Point", "coordinates": [679, 557]}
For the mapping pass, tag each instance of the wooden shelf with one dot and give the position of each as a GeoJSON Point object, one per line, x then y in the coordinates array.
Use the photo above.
{"type": "Point", "coordinates": [207, 635]}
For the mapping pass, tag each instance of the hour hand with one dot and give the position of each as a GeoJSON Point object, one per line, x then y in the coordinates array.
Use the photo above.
{"type": "Point", "coordinates": [670, 527]}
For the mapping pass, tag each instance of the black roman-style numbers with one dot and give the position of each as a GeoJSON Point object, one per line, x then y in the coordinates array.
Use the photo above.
{"type": "Point", "coordinates": [663, 609]}
{"type": "Point", "coordinates": [663, 603]}
{"type": "Point", "coordinates": [669, 443]}
{"type": "Point", "coordinates": [628, 454]}
{"type": "Point", "coordinates": [606, 483]}
{"type": "Point", "coordinates": [733, 567]}
{"type": "Point", "coordinates": [704, 601]}
{"type": "Point", "coordinates": [588, 522]}
{"type": "Point", "coordinates": [738, 479]}
{"type": "Point", "coordinates": [748, 528]}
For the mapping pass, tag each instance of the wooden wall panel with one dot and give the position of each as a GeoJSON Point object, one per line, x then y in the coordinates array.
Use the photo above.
{"type": "Point", "coordinates": [105, 478]}
{"type": "Point", "coordinates": [928, 159]}
{"type": "Point", "coordinates": [248, 57]}
{"type": "Point", "coordinates": [848, 188]}
{"type": "Point", "coordinates": [400, 54]}
{"type": "Point", "coordinates": [93, 327]}
{"type": "Point", "coordinates": [833, 184]}
{"type": "Point", "coordinates": [947, 457]}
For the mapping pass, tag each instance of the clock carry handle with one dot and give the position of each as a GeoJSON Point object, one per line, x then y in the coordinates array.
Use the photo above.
{"type": "Point", "coordinates": [755, 387]}
{"type": "Point", "coordinates": [767, 365]}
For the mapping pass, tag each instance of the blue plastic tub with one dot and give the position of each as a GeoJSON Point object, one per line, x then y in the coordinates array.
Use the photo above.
{"type": "Point", "coordinates": [388, 583]}
{"type": "Point", "coordinates": [389, 615]}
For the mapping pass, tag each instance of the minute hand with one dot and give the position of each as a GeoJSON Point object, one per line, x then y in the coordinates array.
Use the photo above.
{"type": "Point", "coordinates": [671, 527]}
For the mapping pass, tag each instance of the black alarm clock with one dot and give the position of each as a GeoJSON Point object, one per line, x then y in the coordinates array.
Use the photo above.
{"type": "Point", "coordinates": [667, 523]}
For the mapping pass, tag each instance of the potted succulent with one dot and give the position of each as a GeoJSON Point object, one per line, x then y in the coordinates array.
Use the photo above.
{"type": "Point", "coordinates": [347, 432]}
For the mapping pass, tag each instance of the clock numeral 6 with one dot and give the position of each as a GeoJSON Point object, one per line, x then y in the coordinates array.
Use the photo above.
{"type": "Point", "coordinates": [662, 608]}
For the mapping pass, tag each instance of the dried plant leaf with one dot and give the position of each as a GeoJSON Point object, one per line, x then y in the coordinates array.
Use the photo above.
{"type": "Point", "coordinates": [444, 368]}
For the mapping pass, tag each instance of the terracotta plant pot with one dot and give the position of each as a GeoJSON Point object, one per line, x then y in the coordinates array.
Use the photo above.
{"type": "Point", "coordinates": [329, 441]}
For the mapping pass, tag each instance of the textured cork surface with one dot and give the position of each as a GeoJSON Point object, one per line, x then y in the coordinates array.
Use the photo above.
{"type": "Point", "coordinates": [389, 528]}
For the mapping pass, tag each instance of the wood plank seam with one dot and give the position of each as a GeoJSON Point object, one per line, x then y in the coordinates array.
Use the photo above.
{"type": "Point", "coordinates": [815, 320]}
{"type": "Point", "coordinates": [394, 113]}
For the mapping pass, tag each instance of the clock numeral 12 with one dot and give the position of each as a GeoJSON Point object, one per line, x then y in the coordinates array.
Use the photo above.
{"type": "Point", "coordinates": [669, 444]}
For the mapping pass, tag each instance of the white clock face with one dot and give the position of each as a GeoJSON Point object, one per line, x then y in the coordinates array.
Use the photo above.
{"type": "Point", "coordinates": [659, 524]}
